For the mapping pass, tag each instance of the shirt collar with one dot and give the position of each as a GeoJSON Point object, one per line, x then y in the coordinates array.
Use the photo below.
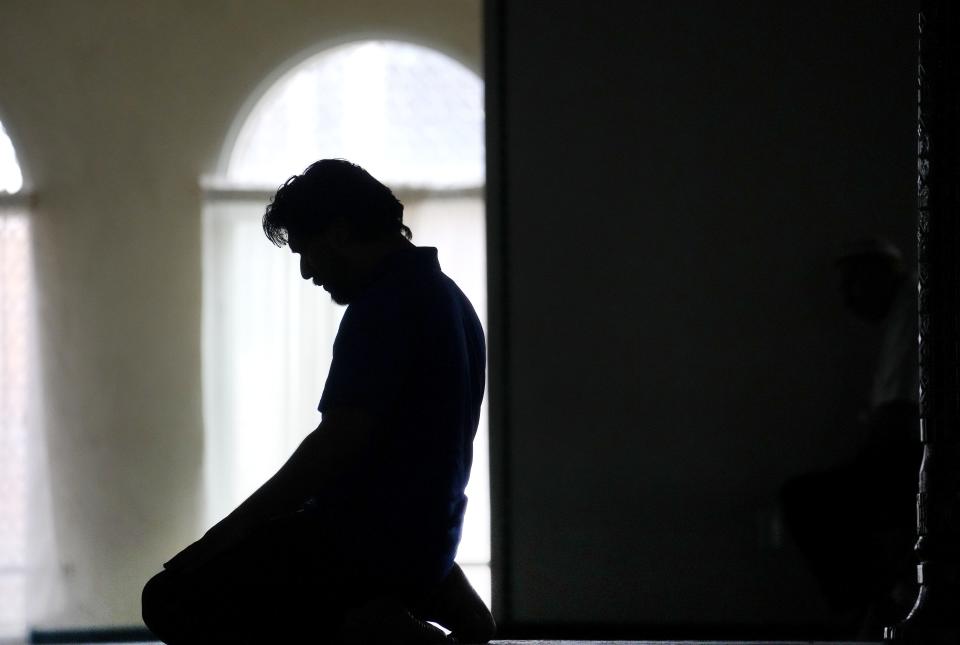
{"type": "Point", "coordinates": [414, 258]}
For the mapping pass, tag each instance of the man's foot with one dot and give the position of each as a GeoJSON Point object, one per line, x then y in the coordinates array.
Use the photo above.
{"type": "Point", "coordinates": [456, 606]}
{"type": "Point", "coordinates": [384, 621]}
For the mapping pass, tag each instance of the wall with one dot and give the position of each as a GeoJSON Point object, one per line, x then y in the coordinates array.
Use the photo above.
{"type": "Point", "coordinates": [676, 179]}
{"type": "Point", "coordinates": [116, 109]}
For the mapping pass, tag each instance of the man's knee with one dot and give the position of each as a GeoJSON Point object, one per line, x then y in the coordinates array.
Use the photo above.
{"type": "Point", "coordinates": [157, 602]}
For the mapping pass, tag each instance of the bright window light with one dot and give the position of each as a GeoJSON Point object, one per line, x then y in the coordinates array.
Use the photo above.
{"type": "Point", "coordinates": [414, 118]}
{"type": "Point", "coordinates": [11, 180]}
{"type": "Point", "coordinates": [16, 362]}
{"type": "Point", "coordinates": [409, 115]}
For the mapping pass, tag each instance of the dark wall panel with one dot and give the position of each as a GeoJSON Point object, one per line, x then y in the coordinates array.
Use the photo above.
{"type": "Point", "coordinates": [676, 180]}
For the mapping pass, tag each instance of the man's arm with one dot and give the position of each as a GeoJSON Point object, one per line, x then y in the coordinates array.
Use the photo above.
{"type": "Point", "coordinates": [341, 442]}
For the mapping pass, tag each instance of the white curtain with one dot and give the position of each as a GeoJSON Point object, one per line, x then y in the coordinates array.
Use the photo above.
{"type": "Point", "coordinates": [15, 363]}
{"type": "Point", "coordinates": [29, 581]}
{"type": "Point", "coordinates": [266, 353]}
{"type": "Point", "coordinates": [267, 339]}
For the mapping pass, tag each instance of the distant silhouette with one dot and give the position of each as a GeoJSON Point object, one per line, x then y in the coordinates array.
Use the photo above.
{"type": "Point", "coordinates": [353, 539]}
{"type": "Point", "coordinates": [855, 523]}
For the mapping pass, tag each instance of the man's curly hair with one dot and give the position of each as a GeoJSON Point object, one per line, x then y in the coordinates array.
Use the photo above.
{"type": "Point", "coordinates": [329, 189]}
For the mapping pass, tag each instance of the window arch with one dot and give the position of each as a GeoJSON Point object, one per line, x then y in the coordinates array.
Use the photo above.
{"type": "Point", "coordinates": [412, 115]}
{"type": "Point", "coordinates": [16, 363]}
{"type": "Point", "coordinates": [414, 118]}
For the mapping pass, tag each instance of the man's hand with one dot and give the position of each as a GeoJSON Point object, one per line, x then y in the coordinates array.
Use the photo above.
{"type": "Point", "coordinates": [341, 442]}
{"type": "Point", "coordinates": [218, 539]}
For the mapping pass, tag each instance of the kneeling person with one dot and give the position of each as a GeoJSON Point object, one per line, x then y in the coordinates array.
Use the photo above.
{"type": "Point", "coordinates": [359, 528]}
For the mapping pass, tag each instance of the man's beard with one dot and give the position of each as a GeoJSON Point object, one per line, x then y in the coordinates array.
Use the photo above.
{"type": "Point", "coordinates": [341, 294]}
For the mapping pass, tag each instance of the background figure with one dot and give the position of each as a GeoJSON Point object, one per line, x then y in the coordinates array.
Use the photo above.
{"type": "Point", "coordinates": [855, 523]}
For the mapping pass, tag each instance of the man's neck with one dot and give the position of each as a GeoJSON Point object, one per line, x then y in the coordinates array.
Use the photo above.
{"type": "Point", "coordinates": [376, 256]}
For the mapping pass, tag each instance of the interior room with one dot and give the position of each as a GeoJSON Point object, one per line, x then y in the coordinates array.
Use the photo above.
{"type": "Point", "coordinates": [654, 208]}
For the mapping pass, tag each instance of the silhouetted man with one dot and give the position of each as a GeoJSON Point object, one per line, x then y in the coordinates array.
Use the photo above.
{"type": "Point", "coordinates": [353, 539]}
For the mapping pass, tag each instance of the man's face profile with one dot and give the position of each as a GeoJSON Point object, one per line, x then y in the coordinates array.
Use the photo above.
{"type": "Point", "coordinates": [323, 262]}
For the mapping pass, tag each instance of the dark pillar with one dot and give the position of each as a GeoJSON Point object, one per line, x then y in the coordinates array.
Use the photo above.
{"type": "Point", "coordinates": [935, 617]}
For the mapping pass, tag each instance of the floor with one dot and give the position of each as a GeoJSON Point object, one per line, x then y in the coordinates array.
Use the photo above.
{"type": "Point", "coordinates": [565, 642]}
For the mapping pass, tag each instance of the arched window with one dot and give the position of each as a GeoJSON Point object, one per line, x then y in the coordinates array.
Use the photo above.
{"type": "Point", "coordinates": [15, 374]}
{"type": "Point", "coordinates": [414, 118]}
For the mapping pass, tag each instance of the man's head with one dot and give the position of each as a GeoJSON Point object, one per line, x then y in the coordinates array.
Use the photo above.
{"type": "Point", "coordinates": [340, 220]}
{"type": "Point", "coordinates": [871, 271]}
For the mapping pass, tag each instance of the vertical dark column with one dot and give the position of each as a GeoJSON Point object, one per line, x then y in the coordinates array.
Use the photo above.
{"type": "Point", "coordinates": [935, 617]}
{"type": "Point", "coordinates": [494, 42]}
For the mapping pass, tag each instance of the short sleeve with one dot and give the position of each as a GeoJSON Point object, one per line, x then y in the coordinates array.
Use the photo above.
{"type": "Point", "coordinates": [370, 357]}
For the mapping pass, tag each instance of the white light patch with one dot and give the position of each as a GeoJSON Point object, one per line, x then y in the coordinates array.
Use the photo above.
{"type": "Point", "coordinates": [364, 106]}
{"type": "Point", "coordinates": [11, 180]}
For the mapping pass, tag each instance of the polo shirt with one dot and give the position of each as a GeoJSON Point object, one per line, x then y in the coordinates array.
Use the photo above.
{"type": "Point", "coordinates": [410, 350]}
